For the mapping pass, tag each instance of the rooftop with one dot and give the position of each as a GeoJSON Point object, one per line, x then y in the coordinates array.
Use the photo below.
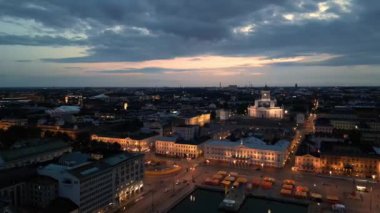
{"type": "Point", "coordinates": [102, 165]}
{"type": "Point", "coordinates": [42, 147]}
{"type": "Point", "coordinates": [252, 143]}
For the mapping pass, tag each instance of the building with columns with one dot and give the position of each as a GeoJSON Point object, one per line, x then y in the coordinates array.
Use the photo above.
{"type": "Point", "coordinates": [249, 151]}
{"type": "Point", "coordinates": [265, 107]}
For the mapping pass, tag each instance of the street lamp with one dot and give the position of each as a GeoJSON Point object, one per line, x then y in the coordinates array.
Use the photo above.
{"type": "Point", "coordinates": [330, 172]}
{"type": "Point", "coordinates": [374, 177]}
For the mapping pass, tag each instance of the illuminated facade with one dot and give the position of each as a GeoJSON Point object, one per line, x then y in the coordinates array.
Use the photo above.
{"type": "Point", "coordinates": [74, 99]}
{"type": "Point", "coordinates": [344, 124]}
{"type": "Point", "coordinates": [100, 185]}
{"type": "Point", "coordinates": [71, 132]}
{"type": "Point", "coordinates": [198, 119]}
{"type": "Point", "coordinates": [170, 147]}
{"type": "Point", "coordinates": [340, 161]}
{"type": "Point", "coordinates": [265, 107]}
{"type": "Point", "coordinates": [132, 144]}
{"type": "Point", "coordinates": [308, 163]}
{"type": "Point", "coordinates": [6, 123]}
{"type": "Point", "coordinates": [250, 151]}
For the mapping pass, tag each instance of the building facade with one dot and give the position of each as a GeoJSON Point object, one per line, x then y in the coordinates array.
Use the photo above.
{"type": "Point", "coordinates": [249, 151]}
{"type": "Point", "coordinates": [197, 119]}
{"type": "Point", "coordinates": [6, 123]}
{"type": "Point", "coordinates": [41, 191]}
{"type": "Point", "coordinates": [349, 160]}
{"type": "Point", "coordinates": [265, 107]}
{"type": "Point", "coordinates": [132, 144]}
{"type": "Point", "coordinates": [41, 152]}
{"type": "Point", "coordinates": [187, 132]}
{"type": "Point", "coordinates": [171, 147]}
{"type": "Point", "coordinates": [99, 185]}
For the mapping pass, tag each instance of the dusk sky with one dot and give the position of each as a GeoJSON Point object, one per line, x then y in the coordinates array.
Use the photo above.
{"type": "Point", "coordinates": [189, 42]}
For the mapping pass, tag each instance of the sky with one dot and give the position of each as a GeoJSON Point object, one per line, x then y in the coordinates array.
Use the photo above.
{"type": "Point", "coordinates": [153, 43]}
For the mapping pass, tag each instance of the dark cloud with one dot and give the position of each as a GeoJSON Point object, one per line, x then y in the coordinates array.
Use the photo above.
{"type": "Point", "coordinates": [156, 29]}
{"type": "Point", "coordinates": [149, 70]}
{"type": "Point", "coordinates": [39, 40]}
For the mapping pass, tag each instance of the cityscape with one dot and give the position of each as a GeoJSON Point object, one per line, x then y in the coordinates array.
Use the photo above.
{"type": "Point", "coordinates": [189, 106]}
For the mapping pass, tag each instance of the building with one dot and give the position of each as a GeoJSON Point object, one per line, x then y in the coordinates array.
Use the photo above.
{"type": "Point", "coordinates": [74, 100]}
{"type": "Point", "coordinates": [187, 132]}
{"type": "Point", "coordinates": [249, 151]}
{"type": "Point", "coordinates": [341, 159]}
{"type": "Point", "coordinates": [323, 125]}
{"type": "Point", "coordinates": [41, 191]}
{"type": "Point", "coordinates": [33, 154]}
{"type": "Point", "coordinates": [99, 185]}
{"type": "Point", "coordinates": [223, 114]}
{"type": "Point", "coordinates": [199, 119]}
{"type": "Point", "coordinates": [265, 107]}
{"type": "Point", "coordinates": [13, 185]}
{"type": "Point", "coordinates": [132, 143]}
{"type": "Point", "coordinates": [172, 146]}
{"type": "Point", "coordinates": [344, 124]}
{"type": "Point", "coordinates": [300, 118]}
{"type": "Point", "coordinates": [72, 133]}
{"type": "Point", "coordinates": [6, 123]}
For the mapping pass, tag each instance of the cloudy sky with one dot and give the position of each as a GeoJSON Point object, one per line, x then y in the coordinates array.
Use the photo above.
{"type": "Point", "coordinates": [189, 42]}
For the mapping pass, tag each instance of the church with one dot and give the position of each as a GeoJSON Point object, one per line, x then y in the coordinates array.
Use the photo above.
{"type": "Point", "coordinates": [265, 107]}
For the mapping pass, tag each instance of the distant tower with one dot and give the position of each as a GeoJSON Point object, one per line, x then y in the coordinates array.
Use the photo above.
{"type": "Point", "coordinates": [296, 86]}
{"type": "Point", "coordinates": [220, 84]}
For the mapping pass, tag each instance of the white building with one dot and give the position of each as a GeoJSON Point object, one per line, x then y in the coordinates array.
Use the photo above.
{"type": "Point", "coordinates": [99, 185]}
{"type": "Point", "coordinates": [133, 143]}
{"type": "Point", "coordinates": [171, 147]}
{"type": "Point", "coordinates": [249, 151]}
{"type": "Point", "coordinates": [265, 107]}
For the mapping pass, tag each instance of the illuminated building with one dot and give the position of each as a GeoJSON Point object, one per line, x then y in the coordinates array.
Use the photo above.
{"type": "Point", "coordinates": [125, 106]}
{"type": "Point", "coordinates": [197, 119]}
{"type": "Point", "coordinates": [265, 107]}
{"type": "Point", "coordinates": [100, 185]}
{"type": "Point", "coordinates": [6, 123]}
{"type": "Point", "coordinates": [249, 151]}
{"type": "Point", "coordinates": [133, 143]}
{"type": "Point", "coordinates": [74, 99]}
{"type": "Point", "coordinates": [340, 159]}
{"type": "Point", "coordinates": [171, 146]}
{"type": "Point", "coordinates": [71, 132]}
{"type": "Point", "coordinates": [223, 114]}
{"type": "Point", "coordinates": [345, 124]}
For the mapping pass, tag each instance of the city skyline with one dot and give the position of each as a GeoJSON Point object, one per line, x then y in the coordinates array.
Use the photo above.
{"type": "Point", "coordinates": [189, 43]}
